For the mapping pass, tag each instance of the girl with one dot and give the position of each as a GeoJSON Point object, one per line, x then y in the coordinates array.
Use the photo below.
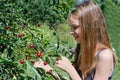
{"type": "Point", "coordinates": [94, 58]}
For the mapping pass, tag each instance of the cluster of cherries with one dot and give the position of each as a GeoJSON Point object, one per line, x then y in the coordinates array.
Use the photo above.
{"type": "Point", "coordinates": [38, 54]}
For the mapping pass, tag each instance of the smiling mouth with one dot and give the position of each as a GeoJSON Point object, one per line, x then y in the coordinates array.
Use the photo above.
{"type": "Point", "coordinates": [75, 37]}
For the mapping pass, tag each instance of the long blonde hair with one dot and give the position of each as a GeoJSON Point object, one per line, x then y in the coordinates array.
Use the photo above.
{"type": "Point", "coordinates": [93, 30]}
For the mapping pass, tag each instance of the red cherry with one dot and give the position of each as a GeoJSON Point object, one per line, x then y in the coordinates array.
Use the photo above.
{"type": "Point", "coordinates": [22, 61]}
{"type": "Point", "coordinates": [31, 46]}
{"type": "Point", "coordinates": [45, 63]}
{"type": "Point", "coordinates": [20, 35]}
{"type": "Point", "coordinates": [39, 54]}
{"type": "Point", "coordinates": [7, 27]}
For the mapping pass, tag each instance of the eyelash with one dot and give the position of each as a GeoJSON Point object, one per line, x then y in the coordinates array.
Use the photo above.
{"type": "Point", "coordinates": [75, 27]}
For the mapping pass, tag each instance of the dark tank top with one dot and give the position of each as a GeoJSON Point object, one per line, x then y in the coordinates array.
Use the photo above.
{"type": "Point", "coordinates": [91, 75]}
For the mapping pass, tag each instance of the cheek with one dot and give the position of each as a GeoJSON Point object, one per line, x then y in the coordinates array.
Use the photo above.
{"type": "Point", "coordinates": [78, 32]}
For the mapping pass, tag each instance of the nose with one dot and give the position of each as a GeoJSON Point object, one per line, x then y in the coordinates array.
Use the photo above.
{"type": "Point", "coordinates": [71, 32]}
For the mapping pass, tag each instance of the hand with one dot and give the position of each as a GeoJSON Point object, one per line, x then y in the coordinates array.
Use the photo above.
{"type": "Point", "coordinates": [64, 63]}
{"type": "Point", "coordinates": [40, 64]}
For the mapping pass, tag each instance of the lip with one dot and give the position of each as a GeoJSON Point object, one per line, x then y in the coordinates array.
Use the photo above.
{"type": "Point", "coordinates": [75, 37]}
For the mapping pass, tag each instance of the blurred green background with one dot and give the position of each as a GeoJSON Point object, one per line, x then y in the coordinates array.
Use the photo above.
{"type": "Point", "coordinates": [25, 15]}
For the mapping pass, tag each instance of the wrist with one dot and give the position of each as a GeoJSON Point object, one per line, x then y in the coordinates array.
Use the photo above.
{"type": "Point", "coordinates": [70, 69]}
{"type": "Point", "coordinates": [73, 73]}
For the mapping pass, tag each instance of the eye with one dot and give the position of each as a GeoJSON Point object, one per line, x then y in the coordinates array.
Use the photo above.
{"type": "Point", "coordinates": [75, 27]}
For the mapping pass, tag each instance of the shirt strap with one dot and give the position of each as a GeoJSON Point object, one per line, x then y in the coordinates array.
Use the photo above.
{"type": "Point", "coordinates": [98, 52]}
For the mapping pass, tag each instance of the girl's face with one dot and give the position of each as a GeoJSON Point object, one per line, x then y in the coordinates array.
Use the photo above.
{"type": "Point", "coordinates": [75, 28]}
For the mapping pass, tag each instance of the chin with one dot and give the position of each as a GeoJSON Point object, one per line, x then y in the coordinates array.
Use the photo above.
{"type": "Point", "coordinates": [78, 41]}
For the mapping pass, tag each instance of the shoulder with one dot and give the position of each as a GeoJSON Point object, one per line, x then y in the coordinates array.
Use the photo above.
{"type": "Point", "coordinates": [105, 55]}
{"type": "Point", "coordinates": [104, 64]}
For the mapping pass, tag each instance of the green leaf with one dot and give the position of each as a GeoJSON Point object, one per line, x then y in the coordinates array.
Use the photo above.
{"type": "Point", "coordinates": [38, 75]}
{"type": "Point", "coordinates": [32, 72]}
{"type": "Point", "coordinates": [62, 74]}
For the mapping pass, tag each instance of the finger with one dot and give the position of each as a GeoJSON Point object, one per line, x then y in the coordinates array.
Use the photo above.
{"type": "Point", "coordinates": [36, 64]}
{"type": "Point", "coordinates": [58, 65]}
{"type": "Point", "coordinates": [63, 57]}
{"type": "Point", "coordinates": [57, 62]}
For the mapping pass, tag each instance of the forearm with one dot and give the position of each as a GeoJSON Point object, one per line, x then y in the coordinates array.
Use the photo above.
{"type": "Point", "coordinates": [73, 74]}
{"type": "Point", "coordinates": [71, 71]}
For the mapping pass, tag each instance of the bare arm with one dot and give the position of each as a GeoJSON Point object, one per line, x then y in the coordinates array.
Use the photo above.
{"type": "Point", "coordinates": [47, 68]}
{"type": "Point", "coordinates": [104, 65]}
{"type": "Point", "coordinates": [66, 65]}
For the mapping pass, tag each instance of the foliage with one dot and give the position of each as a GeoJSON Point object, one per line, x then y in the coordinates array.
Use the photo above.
{"type": "Point", "coordinates": [23, 34]}
{"type": "Point", "coordinates": [117, 2]}
{"type": "Point", "coordinates": [20, 41]}
{"type": "Point", "coordinates": [111, 12]}
{"type": "Point", "coordinates": [34, 11]}
{"type": "Point", "coordinates": [63, 30]}
{"type": "Point", "coordinates": [18, 50]}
